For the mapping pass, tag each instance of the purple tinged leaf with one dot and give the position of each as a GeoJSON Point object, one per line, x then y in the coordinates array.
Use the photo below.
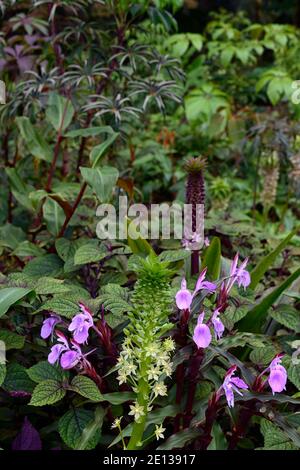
{"type": "Point", "coordinates": [28, 438]}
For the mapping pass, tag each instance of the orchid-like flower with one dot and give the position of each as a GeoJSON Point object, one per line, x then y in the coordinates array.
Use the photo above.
{"type": "Point", "coordinates": [217, 324]}
{"type": "Point", "coordinates": [81, 324]}
{"type": "Point", "coordinates": [232, 384]}
{"type": "Point", "coordinates": [238, 274]}
{"type": "Point", "coordinates": [202, 334]}
{"type": "Point", "coordinates": [184, 297]}
{"type": "Point", "coordinates": [61, 351]}
{"type": "Point", "coordinates": [49, 325]}
{"type": "Point", "coordinates": [278, 375]}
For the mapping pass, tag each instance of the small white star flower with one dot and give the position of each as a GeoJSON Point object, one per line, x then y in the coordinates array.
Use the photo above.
{"type": "Point", "coordinates": [159, 432]}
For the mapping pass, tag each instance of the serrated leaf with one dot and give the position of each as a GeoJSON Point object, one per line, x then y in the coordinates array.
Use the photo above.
{"type": "Point", "coordinates": [11, 340]}
{"type": "Point", "coordinates": [49, 285]}
{"type": "Point", "coordinates": [17, 379]}
{"type": "Point", "coordinates": [62, 306]}
{"type": "Point", "coordinates": [89, 253]}
{"type": "Point", "coordinates": [294, 374]}
{"type": "Point", "coordinates": [275, 438]}
{"type": "Point", "coordinates": [287, 315]}
{"type": "Point", "coordinates": [262, 356]}
{"type": "Point", "coordinates": [47, 392]}
{"type": "Point", "coordinates": [48, 265]}
{"type": "Point", "coordinates": [174, 255]}
{"type": "Point", "coordinates": [27, 248]}
{"type": "Point", "coordinates": [72, 425]}
{"type": "Point", "coordinates": [86, 387]}
{"type": "Point", "coordinates": [44, 371]}
{"type": "Point", "coordinates": [9, 296]}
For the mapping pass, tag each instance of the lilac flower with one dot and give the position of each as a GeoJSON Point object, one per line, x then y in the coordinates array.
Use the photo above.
{"type": "Point", "coordinates": [58, 348]}
{"type": "Point", "coordinates": [232, 384]}
{"type": "Point", "coordinates": [218, 324]}
{"type": "Point", "coordinates": [49, 325]}
{"type": "Point", "coordinates": [238, 274]}
{"type": "Point", "coordinates": [202, 334]}
{"type": "Point", "coordinates": [184, 297]}
{"type": "Point", "coordinates": [68, 357]}
{"type": "Point", "coordinates": [278, 375]}
{"type": "Point", "coordinates": [81, 324]}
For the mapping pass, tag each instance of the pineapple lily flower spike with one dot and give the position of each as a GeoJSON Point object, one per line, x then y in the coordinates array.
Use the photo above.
{"type": "Point", "coordinates": [184, 297]}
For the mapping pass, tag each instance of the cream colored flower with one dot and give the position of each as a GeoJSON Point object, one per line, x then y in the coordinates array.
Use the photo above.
{"type": "Point", "coordinates": [117, 423]}
{"type": "Point", "coordinates": [159, 389]}
{"type": "Point", "coordinates": [159, 432]}
{"type": "Point", "coordinates": [137, 411]}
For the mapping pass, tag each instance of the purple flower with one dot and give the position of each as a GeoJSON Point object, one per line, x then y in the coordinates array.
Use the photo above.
{"type": "Point", "coordinates": [232, 384]}
{"type": "Point", "coordinates": [218, 324]}
{"type": "Point", "coordinates": [49, 325]}
{"type": "Point", "coordinates": [58, 348]}
{"type": "Point", "coordinates": [239, 275]}
{"type": "Point", "coordinates": [202, 334]}
{"type": "Point", "coordinates": [81, 324]}
{"type": "Point", "coordinates": [278, 375]}
{"type": "Point", "coordinates": [184, 297]}
{"type": "Point", "coordinates": [67, 356]}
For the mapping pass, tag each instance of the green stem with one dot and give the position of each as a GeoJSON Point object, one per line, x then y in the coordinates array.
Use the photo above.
{"type": "Point", "coordinates": [139, 427]}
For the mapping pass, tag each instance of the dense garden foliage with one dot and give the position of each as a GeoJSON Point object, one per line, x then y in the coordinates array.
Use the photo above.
{"type": "Point", "coordinates": [134, 343]}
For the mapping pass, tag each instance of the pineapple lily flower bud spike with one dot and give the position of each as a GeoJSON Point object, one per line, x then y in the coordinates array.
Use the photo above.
{"type": "Point", "coordinates": [145, 359]}
{"type": "Point", "coordinates": [195, 195]}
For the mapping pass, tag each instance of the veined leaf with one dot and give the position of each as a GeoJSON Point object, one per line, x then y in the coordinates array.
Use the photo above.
{"type": "Point", "coordinates": [9, 296]}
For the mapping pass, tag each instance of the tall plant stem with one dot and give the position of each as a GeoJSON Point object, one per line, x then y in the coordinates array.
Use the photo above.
{"type": "Point", "coordinates": [139, 427]}
{"type": "Point", "coordinates": [59, 139]}
{"type": "Point", "coordinates": [193, 379]}
{"type": "Point", "coordinates": [74, 207]}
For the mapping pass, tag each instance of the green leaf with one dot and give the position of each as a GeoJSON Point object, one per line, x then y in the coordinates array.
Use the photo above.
{"type": "Point", "coordinates": [257, 315]}
{"type": "Point", "coordinates": [180, 439]}
{"type": "Point", "coordinates": [86, 387]}
{"type": "Point", "coordinates": [11, 236]}
{"type": "Point", "coordinates": [47, 265]}
{"type": "Point", "coordinates": [11, 340]}
{"type": "Point", "coordinates": [294, 374]}
{"type": "Point", "coordinates": [117, 398]}
{"type": "Point", "coordinates": [62, 306]}
{"type": "Point", "coordinates": [287, 315]}
{"type": "Point", "coordinates": [17, 379]}
{"type": "Point", "coordinates": [59, 112]}
{"type": "Point", "coordinates": [219, 441]}
{"type": "Point", "coordinates": [102, 180]}
{"type": "Point", "coordinates": [258, 272]}
{"type": "Point", "coordinates": [262, 356]}
{"type": "Point", "coordinates": [99, 151]}
{"type": "Point", "coordinates": [275, 438]}
{"type": "Point", "coordinates": [49, 285]}
{"type": "Point", "coordinates": [114, 299]}
{"type": "Point", "coordinates": [54, 216]}
{"type": "Point", "coordinates": [212, 259]}
{"type": "Point", "coordinates": [36, 144]}
{"type": "Point", "coordinates": [90, 252]}
{"type": "Point", "coordinates": [47, 392]}
{"type": "Point", "coordinates": [27, 248]}
{"type": "Point", "coordinates": [90, 131]}
{"type": "Point", "coordinates": [172, 256]}
{"type": "Point", "coordinates": [196, 40]}
{"type": "Point", "coordinates": [9, 296]}
{"type": "Point", "coordinates": [136, 242]}
{"type": "Point", "coordinates": [44, 371]}
{"type": "Point", "coordinates": [2, 373]}
{"type": "Point", "coordinates": [91, 430]}
{"type": "Point", "coordinates": [71, 427]}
